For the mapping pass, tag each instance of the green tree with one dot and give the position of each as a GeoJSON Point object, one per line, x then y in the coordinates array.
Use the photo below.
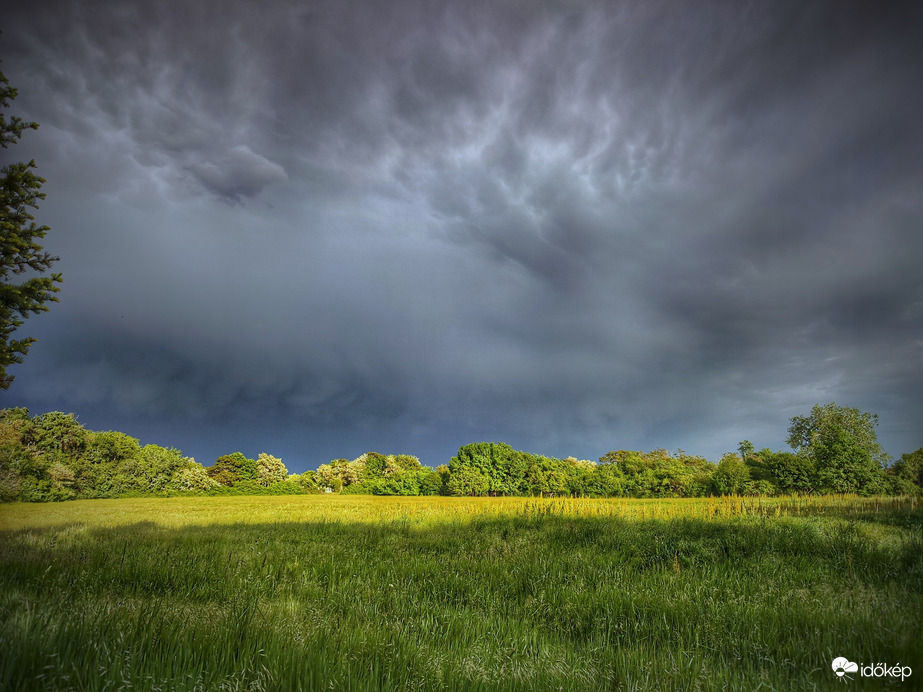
{"type": "Point", "coordinates": [657, 473]}
{"type": "Point", "coordinates": [233, 468]}
{"type": "Point", "coordinates": [468, 480]}
{"type": "Point", "coordinates": [906, 474]}
{"type": "Point", "coordinates": [791, 473]}
{"type": "Point", "coordinates": [544, 476]}
{"type": "Point", "coordinates": [758, 464]}
{"type": "Point", "coordinates": [746, 449]}
{"type": "Point", "coordinates": [730, 476]}
{"type": "Point", "coordinates": [96, 467]}
{"type": "Point", "coordinates": [842, 443]}
{"type": "Point", "coordinates": [579, 472]}
{"type": "Point", "coordinates": [385, 465]}
{"type": "Point", "coordinates": [444, 476]}
{"type": "Point", "coordinates": [504, 468]}
{"type": "Point", "coordinates": [404, 462]}
{"type": "Point", "coordinates": [634, 469]}
{"type": "Point", "coordinates": [191, 477]}
{"type": "Point", "coordinates": [20, 251]}
{"type": "Point", "coordinates": [10, 482]}
{"type": "Point", "coordinates": [150, 471]}
{"type": "Point", "coordinates": [430, 481]}
{"type": "Point", "coordinates": [270, 469]}
{"type": "Point", "coordinates": [341, 473]}
{"type": "Point", "coordinates": [375, 465]}
{"type": "Point", "coordinates": [606, 480]}
{"type": "Point", "coordinates": [13, 456]}
{"type": "Point", "coordinates": [57, 432]}
{"type": "Point", "coordinates": [307, 481]}
{"type": "Point", "coordinates": [18, 419]}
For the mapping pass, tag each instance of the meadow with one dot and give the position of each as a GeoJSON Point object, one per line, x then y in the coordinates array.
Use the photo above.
{"type": "Point", "coordinates": [379, 593]}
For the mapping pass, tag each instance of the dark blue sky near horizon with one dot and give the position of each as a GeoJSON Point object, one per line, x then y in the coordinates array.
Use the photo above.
{"type": "Point", "coordinates": [317, 229]}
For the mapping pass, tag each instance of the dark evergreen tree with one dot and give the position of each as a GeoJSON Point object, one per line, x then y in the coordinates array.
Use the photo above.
{"type": "Point", "coordinates": [20, 252]}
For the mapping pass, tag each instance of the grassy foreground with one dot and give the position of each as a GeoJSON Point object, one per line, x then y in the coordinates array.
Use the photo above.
{"type": "Point", "coordinates": [373, 593]}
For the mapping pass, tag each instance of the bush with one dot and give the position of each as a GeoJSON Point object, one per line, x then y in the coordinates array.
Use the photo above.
{"type": "Point", "coordinates": [255, 488]}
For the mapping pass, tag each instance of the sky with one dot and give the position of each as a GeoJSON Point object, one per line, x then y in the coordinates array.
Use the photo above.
{"type": "Point", "coordinates": [316, 229]}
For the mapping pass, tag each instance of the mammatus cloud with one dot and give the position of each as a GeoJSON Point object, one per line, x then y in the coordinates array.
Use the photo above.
{"type": "Point", "coordinates": [240, 173]}
{"type": "Point", "coordinates": [416, 223]}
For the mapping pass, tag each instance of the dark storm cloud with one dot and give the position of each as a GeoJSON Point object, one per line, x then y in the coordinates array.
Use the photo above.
{"type": "Point", "coordinates": [241, 173]}
{"type": "Point", "coordinates": [571, 226]}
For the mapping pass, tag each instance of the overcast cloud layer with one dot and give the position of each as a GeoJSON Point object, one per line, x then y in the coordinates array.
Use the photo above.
{"type": "Point", "coordinates": [315, 229]}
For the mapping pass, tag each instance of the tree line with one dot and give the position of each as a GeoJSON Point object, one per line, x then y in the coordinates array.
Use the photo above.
{"type": "Point", "coordinates": [51, 456]}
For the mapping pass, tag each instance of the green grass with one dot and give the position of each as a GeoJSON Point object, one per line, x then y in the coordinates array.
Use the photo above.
{"type": "Point", "coordinates": [370, 593]}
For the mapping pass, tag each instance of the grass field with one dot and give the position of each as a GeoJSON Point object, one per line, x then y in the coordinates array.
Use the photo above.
{"type": "Point", "coordinates": [370, 593]}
